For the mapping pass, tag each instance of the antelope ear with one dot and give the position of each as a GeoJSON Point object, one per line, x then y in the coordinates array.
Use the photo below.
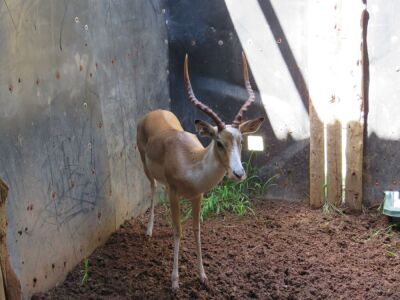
{"type": "Point", "coordinates": [205, 129]}
{"type": "Point", "coordinates": [251, 126]}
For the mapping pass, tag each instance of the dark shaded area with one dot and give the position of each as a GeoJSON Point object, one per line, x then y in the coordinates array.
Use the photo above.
{"type": "Point", "coordinates": [198, 28]}
{"type": "Point", "coordinates": [274, 254]}
{"type": "Point", "coordinates": [380, 172]}
{"type": "Point", "coordinates": [365, 72]}
{"type": "Point", "coordinates": [204, 30]}
{"type": "Point", "coordinates": [365, 95]}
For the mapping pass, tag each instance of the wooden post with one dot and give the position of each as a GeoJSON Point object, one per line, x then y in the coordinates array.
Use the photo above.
{"type": "Point", "coordinates": [334, 161]}
{"type": "Point", "coordinates": [2, 285]}
{"type": "Point", "coordinates": [317, 178]}
{"type": "Point", "coordinates": [10, 285]}
{"type": "Point", "coordinates": [354, 157]}
{"type": "Point", "coordinates": [353, 33]}
{"type": "Point", "coordinates": [322, 77]}
{"type": "Point", "coordinates": [336, 67]}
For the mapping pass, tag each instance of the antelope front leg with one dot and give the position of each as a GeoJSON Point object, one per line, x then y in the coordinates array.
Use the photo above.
{"type": "Point", "coordinates": [196, 208]}
{"type": "Point", "coordinates": [176, 222]}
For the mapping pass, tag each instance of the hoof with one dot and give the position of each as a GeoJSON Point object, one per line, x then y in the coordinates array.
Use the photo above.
{"type": "Point", "coordinates": [175, 284]}
{"type": "Point", "coordinates": [149, 231]}
{"type": "Point", "coordinates": [204, 280]}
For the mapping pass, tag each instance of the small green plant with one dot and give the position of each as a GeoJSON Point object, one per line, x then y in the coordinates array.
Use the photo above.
{"type": "Point", "coordinates": [85, 271]}
{"type": "Point", "coordinates": [386, 232]}
{"type": "Point", "coordinates": [380, 207]}
{"type": "Point", "coordinates": [230, 196]}
{"type": "Point", "coordinates": [329, 208]}
{"type": "Point", "coordinates": [391, 253]}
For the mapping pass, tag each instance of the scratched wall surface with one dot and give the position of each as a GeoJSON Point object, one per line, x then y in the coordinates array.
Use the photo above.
{"type": "Point", "coordinates": [75, 76]}
{"type": "Point", "coordinates": [381, 150]}
{"type": "Point", "coordinates": [214, 38]}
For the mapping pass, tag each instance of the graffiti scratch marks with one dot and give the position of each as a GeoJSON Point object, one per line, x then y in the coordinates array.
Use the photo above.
{"type": "Point", "coordinates": [62, 23]}
{"type": "Point", "coordinates": [9, 12]}
{"type": "Point", "coordinates": [74, 184]}
{"type": "Point", "coordinates": [71, 188]}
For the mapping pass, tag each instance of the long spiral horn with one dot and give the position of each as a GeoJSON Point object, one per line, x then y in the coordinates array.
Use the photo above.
{"type": "Point", "coordinates": [239, 117]}
{"type": "Point", "coordinates": [196, 102]}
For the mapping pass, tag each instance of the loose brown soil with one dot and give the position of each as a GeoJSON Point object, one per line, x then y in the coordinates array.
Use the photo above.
{"type": "Point", "coordinates": [284, 251]}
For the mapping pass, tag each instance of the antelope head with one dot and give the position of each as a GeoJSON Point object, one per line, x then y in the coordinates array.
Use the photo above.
{"type": "Point", "coordinates": [227, 140]}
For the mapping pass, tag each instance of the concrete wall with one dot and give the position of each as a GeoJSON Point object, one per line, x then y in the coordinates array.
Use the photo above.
{"type": "Point", "coordinates": [381, 152]}
{"type": "Point", "coordinates": [75, 76]}
{"type": "Point", "coordinates": [273, 34]}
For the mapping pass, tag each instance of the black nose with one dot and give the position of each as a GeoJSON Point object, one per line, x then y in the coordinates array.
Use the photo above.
{"type": "Point", "coordinates": [238, 175]}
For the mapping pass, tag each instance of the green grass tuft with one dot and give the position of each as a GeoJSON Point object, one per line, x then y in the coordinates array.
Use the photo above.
{"type": "Point", "coordinates": [85, 271]}
{"type": "Point", "coordinates": [228, 196]}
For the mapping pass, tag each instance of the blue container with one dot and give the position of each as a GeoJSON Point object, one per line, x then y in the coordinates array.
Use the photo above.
{"type": "Point", "coordinates": [391, 205]}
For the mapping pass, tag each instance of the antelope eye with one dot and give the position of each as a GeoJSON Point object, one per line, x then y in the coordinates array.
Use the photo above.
{"type": "Point", "coordinates": [220, 145]}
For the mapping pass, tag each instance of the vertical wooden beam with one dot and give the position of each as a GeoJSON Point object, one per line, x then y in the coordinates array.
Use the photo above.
{"type": "Point", "coordinates": [334, 163]}
{"type": "Point", "coordinates": [317, 176]}
{"type": "Point", "coordinates": [336, 67]}
{"type": "Point", "coordinates": [353, 34]}
{"type": "Point", "coordinates": [322, 77]}
{"type": "Point", "coordinates": [354, 158]}
{"type": "Point", "coordinates": [2, 286]}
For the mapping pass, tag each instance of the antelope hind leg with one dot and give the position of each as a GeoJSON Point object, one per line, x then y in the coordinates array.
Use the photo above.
{"type": "Point", "coordinates": [175, 212]}
{"type": "Point", "coordinates": [150, 224]}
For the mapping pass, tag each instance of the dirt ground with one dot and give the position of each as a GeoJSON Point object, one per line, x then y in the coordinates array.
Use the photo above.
{"type": "Point", "coordinates": [284, 251]}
